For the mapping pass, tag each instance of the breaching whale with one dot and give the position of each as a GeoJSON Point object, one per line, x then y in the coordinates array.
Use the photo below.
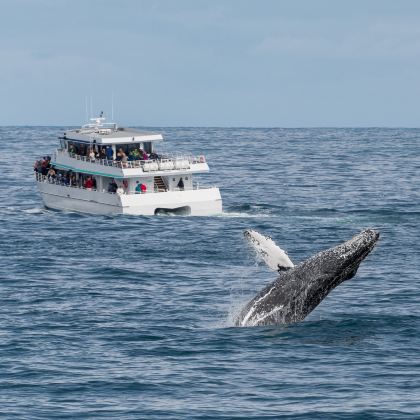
{"type": "Point", "coordinates": [300, 289]}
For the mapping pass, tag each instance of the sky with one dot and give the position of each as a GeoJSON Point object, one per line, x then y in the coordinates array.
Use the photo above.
{"type": "Point", "coordinates": [230, 63]}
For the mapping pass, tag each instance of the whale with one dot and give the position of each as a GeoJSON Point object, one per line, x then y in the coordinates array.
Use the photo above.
{"type": "Point", "coordinates": [300, 288]}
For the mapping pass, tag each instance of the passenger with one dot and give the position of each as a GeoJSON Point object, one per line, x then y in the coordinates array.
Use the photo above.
{"type": "Point", "coordinates": [143, 188]}
{"type": "Point", "coordinates": [92, 155]}
{"type": "Point", "coordinates": [134, 154]}
{"type": "Point", "coordinates": [51, 174]}
{"type": "Point", "coordinates": [109, 153]}
{"type": "Point", "coordinates": [120, 154]}
{"type": "Point", "coordinates": [124, 159]}
{"type": "Point", "coordinates": [145, 156]}
{"type": "Point", "coordinates": [181, 185]}
{"type": "Point", "coordinates": [138, 187]}
{"type": "Point", "coordinates": [112, 187]}
{"type": "Point", "coordinates": [89, 183]}
{"type": "Point", "coordinates": [44, 163]}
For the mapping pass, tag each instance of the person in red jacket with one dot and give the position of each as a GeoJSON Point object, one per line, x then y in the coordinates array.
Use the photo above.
{"type": "Point", "coordinates": [89, 183]}
{"type": "Point", "coordinates": [143, 188]}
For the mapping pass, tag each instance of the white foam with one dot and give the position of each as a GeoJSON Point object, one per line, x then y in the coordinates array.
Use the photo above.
{"type": "Point", "coordinates": [244, 215]}
{"type": "Point", "coordinates": [36, 210]}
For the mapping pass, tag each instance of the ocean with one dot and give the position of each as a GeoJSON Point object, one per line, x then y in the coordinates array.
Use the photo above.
{"type": "Point", "coordinates": [131, 317]}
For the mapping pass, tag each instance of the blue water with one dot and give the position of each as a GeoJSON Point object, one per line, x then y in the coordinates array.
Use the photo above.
{"type": "Point", "coordinates": [131, 317]}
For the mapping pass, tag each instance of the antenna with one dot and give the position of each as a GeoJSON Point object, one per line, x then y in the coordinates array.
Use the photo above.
{"type": "Point", "coordinates": [112, 106]}
{"type": "Point", "coordinates": [91, 106]}
{"type": "Point", "coordinates": [86, 109]}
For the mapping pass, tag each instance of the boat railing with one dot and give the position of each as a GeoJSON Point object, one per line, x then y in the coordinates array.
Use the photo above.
{"type": "Point", "coordinates": [62, 182]}
{"type": "Point", "coordinates": [68, 183]}
{"type": "Point", "coordinates": [164, 161]}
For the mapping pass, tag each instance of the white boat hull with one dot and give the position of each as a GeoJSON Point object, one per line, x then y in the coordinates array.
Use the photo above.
{"type": "Point", "coordinates": [199, 202]}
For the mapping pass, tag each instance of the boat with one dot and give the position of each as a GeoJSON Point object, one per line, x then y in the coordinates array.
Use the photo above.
{"type": "Point", "coordinates": [102, 168]}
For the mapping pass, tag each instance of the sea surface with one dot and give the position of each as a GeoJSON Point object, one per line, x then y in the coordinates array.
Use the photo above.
{"type": "Point", "coordinates": [131, 317]}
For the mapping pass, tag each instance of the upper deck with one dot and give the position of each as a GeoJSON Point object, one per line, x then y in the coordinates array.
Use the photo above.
{"type": "Point", "coordinates": [163, 165]}
{"type": "Point", "coordinates": [104, 149]}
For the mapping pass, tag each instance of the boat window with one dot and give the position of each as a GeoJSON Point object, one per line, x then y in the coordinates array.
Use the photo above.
{"type": "Point", "coordinates": [77, 148]}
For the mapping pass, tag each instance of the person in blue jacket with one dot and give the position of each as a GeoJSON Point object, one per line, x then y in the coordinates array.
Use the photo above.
{"type": "Point", "coordinates": [109, 153]}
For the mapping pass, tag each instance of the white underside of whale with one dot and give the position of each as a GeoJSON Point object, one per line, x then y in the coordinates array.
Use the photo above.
{"type": "Point", "coordinates": [276, 259]}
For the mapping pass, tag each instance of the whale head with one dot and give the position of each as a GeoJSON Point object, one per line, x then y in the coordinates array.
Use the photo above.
{"type": "Point", "coordinates": [333, 266]}
{"type": "Point", "coordinates": [299, 290]}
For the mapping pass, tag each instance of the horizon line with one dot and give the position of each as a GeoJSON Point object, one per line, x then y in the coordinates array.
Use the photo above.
{"type": "Point", "coordinates": [227, 126]}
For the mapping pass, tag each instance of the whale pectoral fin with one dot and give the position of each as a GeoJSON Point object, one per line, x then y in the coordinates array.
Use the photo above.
{"type": "Point", "coordinates": [268, 251]}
